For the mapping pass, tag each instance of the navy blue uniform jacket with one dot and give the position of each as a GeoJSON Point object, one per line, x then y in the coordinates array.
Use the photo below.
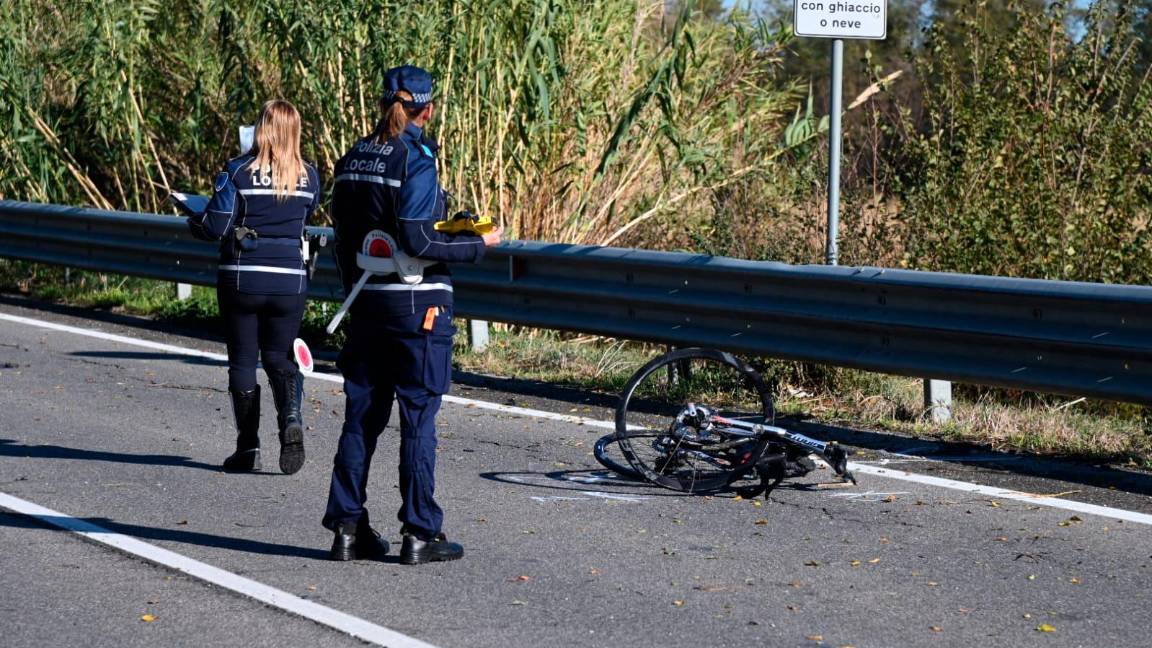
{"type": "Point", "coordinates": [393, 187]}
{"type": "Point", "coordinates": [244, 197]}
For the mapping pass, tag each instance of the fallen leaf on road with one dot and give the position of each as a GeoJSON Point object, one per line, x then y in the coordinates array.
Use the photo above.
{"type": "Point", "coordinates": [890, 498]}
{"type": "Point", "coordinates": [147, 618]}
{"type": "Point", "coordinates": [1044, 627]}
{"type": "Point", "coordinates": [855, 563]}
{"type": "Point", "coordinates": [815, 637]}
{"type": "Point", "coordinates": [678, 603]}
{"type": "Point", "coordinates": [760, 522]}
{"type": "Point", "coordinates": [812, 563]}
{"type": "Point", "coordinates": [873, 561]}
{"type": "Point", "coordinates": [522, 579]}
{"type": "Point", "coordinates": [796, 584]}
{"type": "Point", "coordinates": [936, 629]}
{"type": "Point", "coordinates": [519, 603]}
{"type": "Point", "coordinates": [1074, 580]}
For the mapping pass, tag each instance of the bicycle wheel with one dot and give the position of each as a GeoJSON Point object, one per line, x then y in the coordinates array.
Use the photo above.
{"type": "Point", "coordinates": [686, 420]}
{"type": "Point", "coordinates": [606, 451]}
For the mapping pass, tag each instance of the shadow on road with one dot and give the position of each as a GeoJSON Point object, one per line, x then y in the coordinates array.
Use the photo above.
{"type": "Point", "coordinates": [149, 355]}
{"type": "Point", "coordinates": [10, 448]}
{"type": "Point", "coordinates": [165, 535]}
{"type": "Point", "coordinates": [576, 481]}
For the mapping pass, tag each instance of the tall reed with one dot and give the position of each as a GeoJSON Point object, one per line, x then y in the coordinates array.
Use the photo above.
{"type": "Point", "coordinates": [571, 120]}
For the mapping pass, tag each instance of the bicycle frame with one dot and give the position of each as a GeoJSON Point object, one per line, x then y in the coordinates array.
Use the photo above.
{"type": "Point", "coordinates": [757, 430]}
{"type": "Point", "coordinates": [831, 451]}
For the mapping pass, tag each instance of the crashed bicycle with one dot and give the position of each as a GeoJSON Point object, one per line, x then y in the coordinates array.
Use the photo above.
{"type": "Point", "coordinates": [701, 421]}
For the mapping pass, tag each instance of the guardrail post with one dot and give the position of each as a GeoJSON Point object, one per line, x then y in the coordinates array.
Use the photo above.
{"type": "Point", "coordinates": [938, 400]}
{"type": "Point", "coordinates": [183, 291]}
{"type": "Point", "coordinates": [478, 334]}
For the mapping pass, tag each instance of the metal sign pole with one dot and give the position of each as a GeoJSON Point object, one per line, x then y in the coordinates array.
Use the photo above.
{"type": "Point", "coordinates": [834, 140]}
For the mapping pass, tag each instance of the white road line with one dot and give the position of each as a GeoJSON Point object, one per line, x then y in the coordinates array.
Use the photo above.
{"type": "Point", "coordinates": [1051, 502]}
{"type": "Point", "coordinates": [177, 350]}
{"type": "Point", "coordinates": [1003, 493]}
{"type": "Point", "coordinates": [335, 619]}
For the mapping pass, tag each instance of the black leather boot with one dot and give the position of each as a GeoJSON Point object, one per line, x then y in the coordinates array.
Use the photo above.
{"type": "Point", "coordinates": [246, 410]}
{"type": "Point", "coordinates": [288, 392]}
{"type": "Point", "coordinates": [357, 541]}
{"type": "Point", "coordinates": [415, 551]}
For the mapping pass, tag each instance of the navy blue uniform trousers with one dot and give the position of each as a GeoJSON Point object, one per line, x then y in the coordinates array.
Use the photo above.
{"type": "Point", "coordinates": [388, 356]}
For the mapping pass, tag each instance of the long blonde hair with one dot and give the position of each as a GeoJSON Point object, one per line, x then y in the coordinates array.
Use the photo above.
{"type": "Point", "coordinates": [396, 117]}
{"type": "Point", "coordinates": [277, 146]}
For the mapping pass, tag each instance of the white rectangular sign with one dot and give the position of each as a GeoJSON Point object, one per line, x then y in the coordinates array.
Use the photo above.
{"type": "Point", "coordinates": [864, 19]}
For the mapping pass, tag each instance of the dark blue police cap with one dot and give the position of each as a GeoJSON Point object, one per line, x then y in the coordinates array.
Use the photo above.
{"type": "Point", "coordinates": [416, 81]}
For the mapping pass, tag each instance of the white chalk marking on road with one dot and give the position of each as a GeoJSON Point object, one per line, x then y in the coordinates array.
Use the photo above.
{"type": "Point", "coordinates": [1003, 493]}
{"type": "Point", "coordinates": [560, 498]}
{"type": "Point", "coordinates": [631, 499]}
{"type": "Point", "coordinates": [1053, 502]}
{"type": "Point", "coordinates": [280, 599]}
{"type": "Point", "coordinates": [868, 496]}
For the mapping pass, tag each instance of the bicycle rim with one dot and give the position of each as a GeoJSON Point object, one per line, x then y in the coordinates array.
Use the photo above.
{"type": "Point", "coordinates": [666, 421]}
{"type": "Point", "coordinates": [607, 451]}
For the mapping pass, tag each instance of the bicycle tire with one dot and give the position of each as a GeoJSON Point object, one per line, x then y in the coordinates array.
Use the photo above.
{"type": "Point", "coordinates": [604, 456]}
{"type": "Point", "coordinates": [647, 408]}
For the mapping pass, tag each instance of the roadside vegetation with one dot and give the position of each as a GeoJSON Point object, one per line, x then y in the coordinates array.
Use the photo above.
{"type": "Point", "coordinates": [1004, 137]}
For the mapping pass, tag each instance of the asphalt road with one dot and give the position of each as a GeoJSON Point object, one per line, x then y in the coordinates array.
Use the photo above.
{"type": "Point", "coordinates": [558, 551]}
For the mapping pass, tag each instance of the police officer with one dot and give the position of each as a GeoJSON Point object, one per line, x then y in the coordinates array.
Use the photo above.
{"type": "Point", "coordinates": [261, 203]}
{"type": "Point", "coordinates": [399, 339]}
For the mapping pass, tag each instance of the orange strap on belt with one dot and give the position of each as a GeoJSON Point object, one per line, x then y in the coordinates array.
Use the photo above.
{"type": "Point", "coordinates": [430, 317]}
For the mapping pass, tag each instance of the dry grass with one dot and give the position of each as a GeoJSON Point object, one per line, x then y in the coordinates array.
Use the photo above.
{"type": "Point", "coordinates": [1002, 420]}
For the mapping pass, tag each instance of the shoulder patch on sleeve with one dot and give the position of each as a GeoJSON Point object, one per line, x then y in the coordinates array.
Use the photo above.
{"type": "Point", "coordinates": [221, 180]}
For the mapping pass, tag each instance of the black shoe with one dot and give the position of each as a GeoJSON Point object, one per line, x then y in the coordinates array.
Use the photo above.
{"type": "Point", "coordinates": [357, 541]}
{"type": "Point", "coordinates": [415, 551]}
{"type": "Point", "coordinates": [243, 461]}
{"type": "Point", "coordinates": [246, 411]}
{"type": "Point", "coordinates": [288, 392]}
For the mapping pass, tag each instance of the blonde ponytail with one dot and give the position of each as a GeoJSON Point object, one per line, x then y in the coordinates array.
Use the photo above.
{"type": "Point", "coordinates": [396, 117]}
{"type": "Point", "coordinates": [277, 147]}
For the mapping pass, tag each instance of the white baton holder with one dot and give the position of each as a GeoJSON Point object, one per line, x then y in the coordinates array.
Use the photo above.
{"type": "Point", "coordinates": [393, 261]}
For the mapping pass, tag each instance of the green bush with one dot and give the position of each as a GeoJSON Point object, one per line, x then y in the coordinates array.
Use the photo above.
{"type": "Point", "coordinates": [1034, 152]}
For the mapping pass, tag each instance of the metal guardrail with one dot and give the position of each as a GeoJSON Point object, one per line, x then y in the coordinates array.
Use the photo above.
{"type": "Point", "coordinates": [1072, 338]}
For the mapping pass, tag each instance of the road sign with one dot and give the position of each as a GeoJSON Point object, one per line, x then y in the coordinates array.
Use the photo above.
{"type": "Point", "coordinates": [863, 19]}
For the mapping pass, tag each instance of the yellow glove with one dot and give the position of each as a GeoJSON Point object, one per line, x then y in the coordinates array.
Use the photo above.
{"type": "Point", "coordinates": [466, 222]}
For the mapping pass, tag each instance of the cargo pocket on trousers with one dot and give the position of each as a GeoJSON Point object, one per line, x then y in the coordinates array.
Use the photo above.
{"type": "Point", "coordinates": [438, 363]}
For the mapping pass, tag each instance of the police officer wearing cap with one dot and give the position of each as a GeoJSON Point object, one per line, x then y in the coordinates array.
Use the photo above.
{"type": "Point", "coordinates": [399, 338]}
{"type": "Point", "coordinates": [258, 211]}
